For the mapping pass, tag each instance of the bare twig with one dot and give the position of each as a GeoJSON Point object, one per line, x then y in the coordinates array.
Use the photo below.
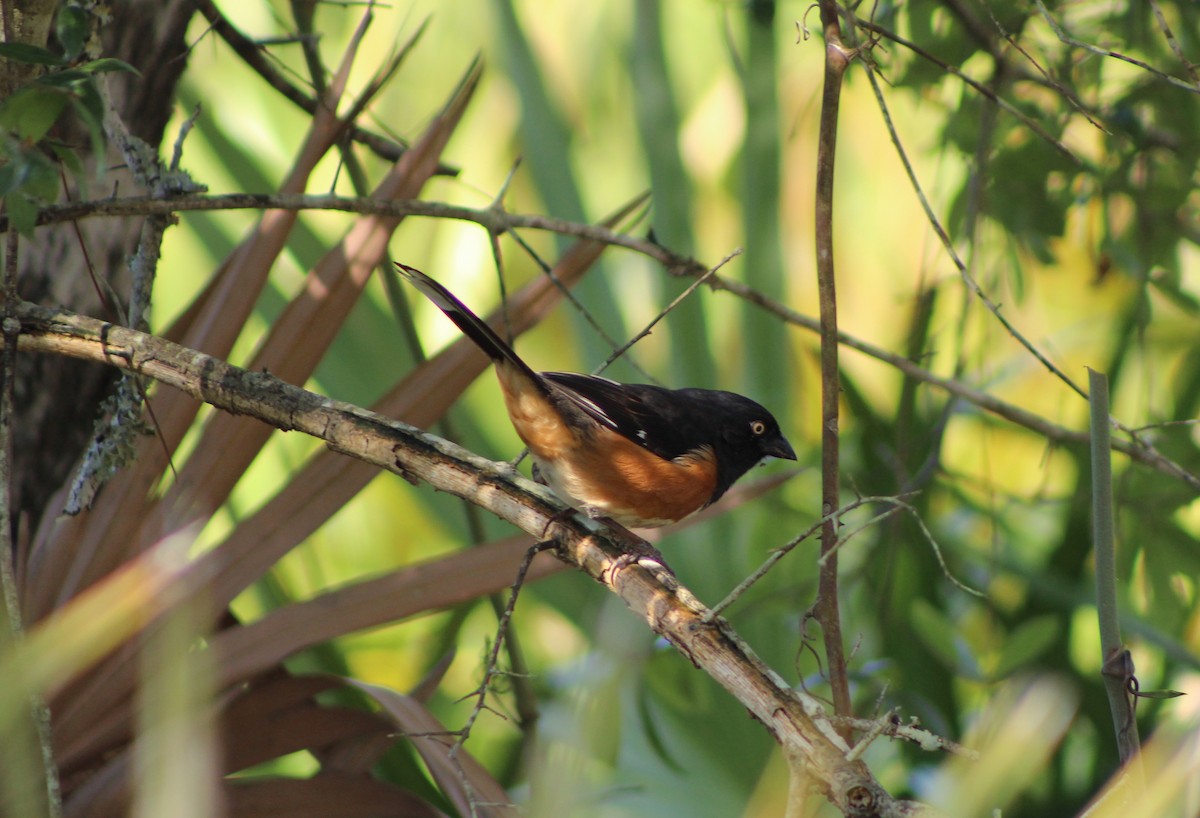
{"type": "Point", "coordinates": [778, 554]}
{"type": "Point", "coordinates": [1063, 91]}
{"type": "Point", "coordinates": [891, 725]}
{"type": "Point", "coordinates": [826, 607]}
{"type": "Point", "coordinates": [1173, 42]}
{"type": "Point", "coordinates": [489, 217]}
{"type": "Point", "coordinates": [574, 301]}
{"type": "Point", "coordinates": [1067, 39]}
{"type": "Point", "coordinates": [979, 87]}
{"type": "Point", "coordinates": [897, 503]}
{"type": "Point", "coordinates": [491, 667]}
{"type": "Point", "coordinates": [1162, 463]}
{"type": "Point", "coordinates": [1137, 448]}
{"type": "Point", "coordinates": [679, 299]}
{"type": "Point", "coordinates": [965, 272]}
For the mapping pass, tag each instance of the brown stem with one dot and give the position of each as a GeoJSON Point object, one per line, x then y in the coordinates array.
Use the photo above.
{"type": "Point", "coordinates": [837, 58]}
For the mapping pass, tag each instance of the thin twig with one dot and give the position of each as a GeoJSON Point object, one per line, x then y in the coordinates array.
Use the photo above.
{"type": "Point", "coordinates": [489, 218]}
{"type": "Point", "coordinates": [1163, 463]}
{"type": "Point", "coordinates": [826, 606]}
{"type": "Point", "coordinates": [1173, 42]}
{"type": "Point", "coordinates": [1050, 80]}
{"type": "Point", "coordinates": [498, 254]}
{"type": "Point", "coordinates": [523, 693]}
{"type": "Point", "coordinates": [578, 305]}
{"type": "Point", "coordinates": [1137, 448]}
{"type": "Point", "coordinates": [491, 666]}
{"type": "Point", "coordinates": [778, 554]}
{"type": "Point", "coordinates": [679, 299]}
{"type": "Point", "coordinates": [890, 725]}
{"type": "Point", "coordinates": [968, 279]}
{"type": "Point", "coordinates": [979, 87]}
{"type": "Point", "coordinates": [491, 670]}
{"type": "Point", "coordinates": [1067, 39]}
{"type": "Point", "coordinates": [896, 502]}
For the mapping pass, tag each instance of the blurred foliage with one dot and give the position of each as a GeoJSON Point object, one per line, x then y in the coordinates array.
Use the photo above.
{"type": "Point", "coordinates": [29, 161]}
{"type": "Point", "coordinates": [1085, 235]}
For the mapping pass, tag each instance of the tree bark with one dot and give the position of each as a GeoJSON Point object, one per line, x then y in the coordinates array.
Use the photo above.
{"type": "Point", "coordinates": [57, 399]}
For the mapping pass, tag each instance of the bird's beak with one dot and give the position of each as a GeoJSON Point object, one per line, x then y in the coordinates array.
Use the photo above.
{"type": "Point", "coordinates": [779, 447]}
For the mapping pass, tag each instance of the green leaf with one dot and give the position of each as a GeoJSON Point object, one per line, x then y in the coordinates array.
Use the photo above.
{"type": "Point", "coordinates": [13, 174]}
{"type": "Point", "coordinates": [653, 734]}
{"type": "Point", "coordinates": [32, 111]}
{"type": "Point", "coordinates": [68, 157]}
{"type": "Point", "coordinates": [940, 635]}
{"type": "Point", "coordinates": [68, 79]}
{"type": "Point", "coordinates": [71, 27]}
{"type": "Point", "coordinates": [43, 177]}
{"type": "Point", "coordinates": [1170, 285]}
{"type": "Point", "coordinates": [29, 54]}
{"type": "Point", "coordinates": [108, 64]}
{"type": "Point", "coordinates": [90, 106]}
{"type": "Point", "coordinates": [22, 213]}
{"type": "Point", "coordinates": [1026, 643]}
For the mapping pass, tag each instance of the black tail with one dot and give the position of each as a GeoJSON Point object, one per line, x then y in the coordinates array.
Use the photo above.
{"type": "Point", "coordinates": [471, 324]}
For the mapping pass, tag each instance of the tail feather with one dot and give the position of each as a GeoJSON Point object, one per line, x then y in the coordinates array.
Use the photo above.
{"type": "Point", "coordinates": [471, 324]}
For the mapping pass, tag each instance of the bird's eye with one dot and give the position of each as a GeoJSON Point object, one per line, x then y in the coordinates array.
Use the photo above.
{"type": "Point", "coordinates": [758, 427]}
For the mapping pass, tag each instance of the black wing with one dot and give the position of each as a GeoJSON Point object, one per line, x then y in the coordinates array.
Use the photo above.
{"type": "Point", "coordinates": [651, 416]}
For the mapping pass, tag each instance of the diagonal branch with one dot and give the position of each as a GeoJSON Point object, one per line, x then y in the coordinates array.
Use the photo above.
{"type": "Point", "coordinates": [615, 559]}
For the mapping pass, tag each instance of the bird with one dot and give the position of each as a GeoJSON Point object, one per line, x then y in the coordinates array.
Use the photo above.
{"type": "Point", "coordinates": [639, 455]}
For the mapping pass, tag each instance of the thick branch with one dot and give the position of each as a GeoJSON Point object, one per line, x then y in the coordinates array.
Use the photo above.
{"type": "Point", "coordinates": [794, 719]}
